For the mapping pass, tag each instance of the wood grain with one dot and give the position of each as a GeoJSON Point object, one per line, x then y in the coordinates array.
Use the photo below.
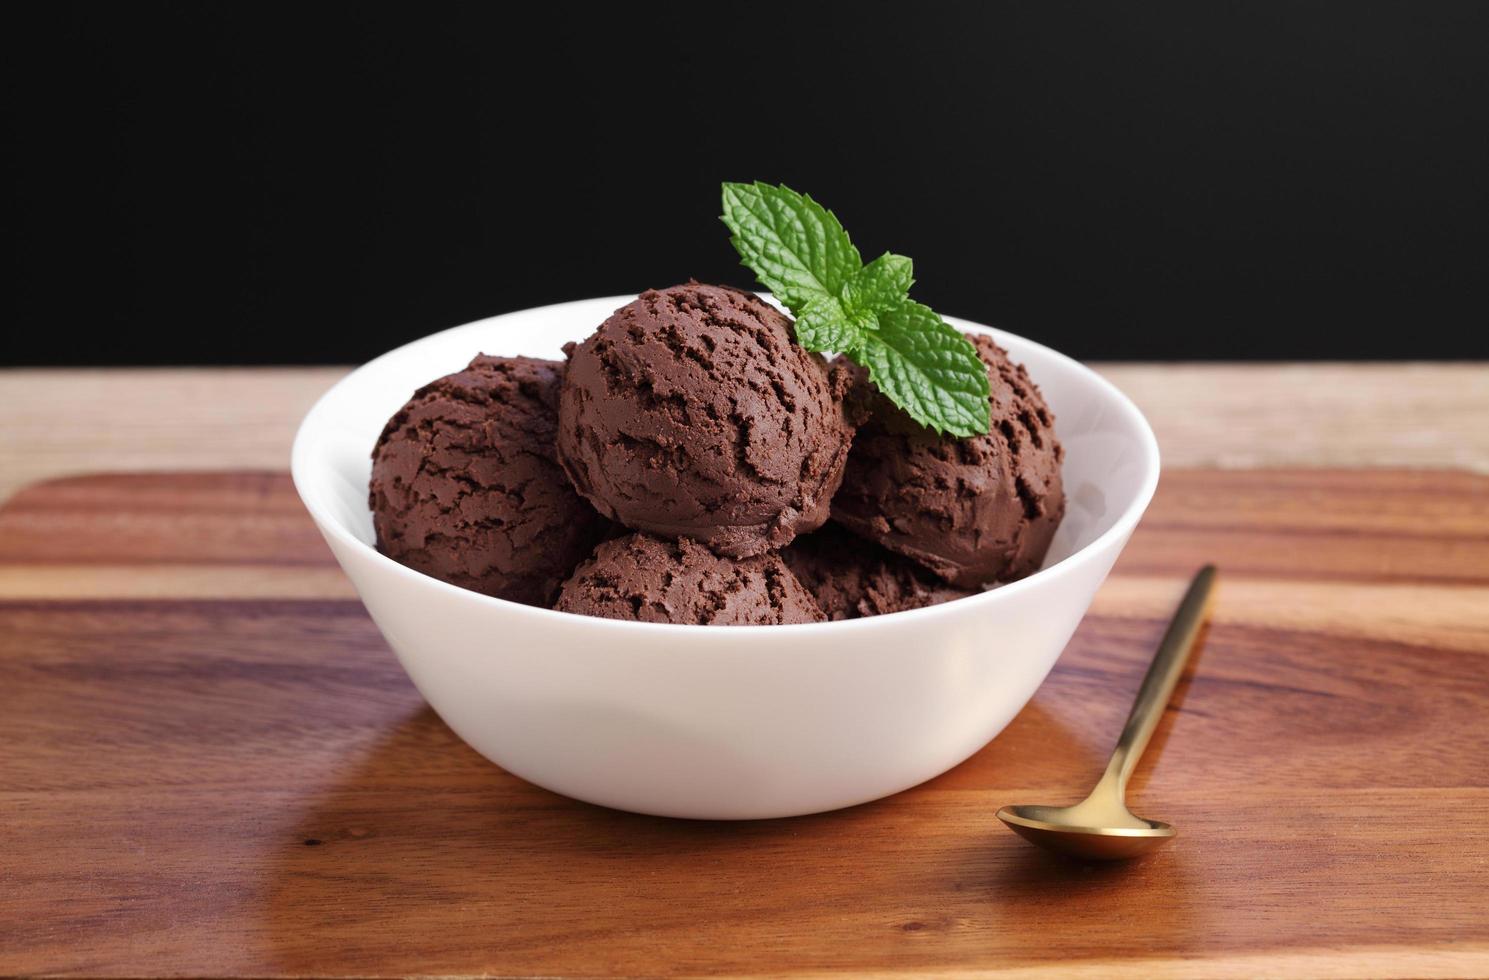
{"type": "Point", "coordinates": [62, 422]}
{"type": "Point", "coordinates": [199, 782]}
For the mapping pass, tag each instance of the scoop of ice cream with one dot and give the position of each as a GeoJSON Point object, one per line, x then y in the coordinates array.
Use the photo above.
{"type": "Point", "coordinates": [466, 488]}
{"type": "Point", "coordinates": [851, 577]}
{"type": "Point", "coordinates": [656, 580]}
{"type": "Point", "coordinates": [974, 510]}
{"type": "Point", "coordinates": [691, 413]}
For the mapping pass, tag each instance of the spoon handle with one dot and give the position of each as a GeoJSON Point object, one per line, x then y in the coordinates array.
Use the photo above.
{"type": "Point", "coordinates": [1163, 677]}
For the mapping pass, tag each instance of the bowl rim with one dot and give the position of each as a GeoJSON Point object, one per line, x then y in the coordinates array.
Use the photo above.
{"type": "Point", "coordinates": [301, 464]}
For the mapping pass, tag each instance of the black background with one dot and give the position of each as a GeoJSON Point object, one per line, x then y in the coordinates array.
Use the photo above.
{"type": "Point", "coordinates": [249, 184]}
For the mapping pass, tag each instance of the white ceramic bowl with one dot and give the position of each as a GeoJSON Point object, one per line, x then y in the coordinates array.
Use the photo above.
{"type": "Point", "coordinates": [722, 721]}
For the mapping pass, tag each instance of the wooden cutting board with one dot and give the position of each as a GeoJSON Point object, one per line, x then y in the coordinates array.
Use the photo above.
{"type": "Point", "coordinates": [210, 763]}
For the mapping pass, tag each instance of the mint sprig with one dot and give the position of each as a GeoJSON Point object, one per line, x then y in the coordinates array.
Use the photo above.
{"type": "Point", "coordinates": [800, 252]}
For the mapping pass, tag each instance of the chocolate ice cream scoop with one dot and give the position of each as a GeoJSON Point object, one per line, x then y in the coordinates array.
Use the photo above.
{"type": "Point", "coordinates": [974, 511]}
{"type": "Point", "coordinates": [691, 412]}
{"type": "Point", "coordinates": [465, 486]}
{"type": "Point", "coordinates": [851, 577]}
{"type": "Point", "coordinates": [656, 580]}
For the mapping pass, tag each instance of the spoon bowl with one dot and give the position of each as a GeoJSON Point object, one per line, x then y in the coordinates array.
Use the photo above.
{"type": "Point", "coordinates": [1064, 829]}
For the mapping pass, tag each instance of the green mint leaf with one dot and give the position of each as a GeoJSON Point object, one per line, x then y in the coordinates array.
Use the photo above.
{"type": "Point", "coordinates": [800, 252]}
{"type": "Point", "coordinates": [795, 246]}
{"type": "Point", "coordinates": [879, 286]}
{"type": "Point", "coordinates": [923, 365]}
{"type": "Point", "coordinates": [824, 325]}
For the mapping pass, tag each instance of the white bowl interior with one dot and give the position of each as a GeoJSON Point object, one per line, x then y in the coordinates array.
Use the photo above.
{"type": "Point", "coordinates": [1110, 461]}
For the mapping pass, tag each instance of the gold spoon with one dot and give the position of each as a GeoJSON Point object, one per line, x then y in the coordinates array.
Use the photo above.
{"type": "Point", "coordinates": [1100, 827]}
